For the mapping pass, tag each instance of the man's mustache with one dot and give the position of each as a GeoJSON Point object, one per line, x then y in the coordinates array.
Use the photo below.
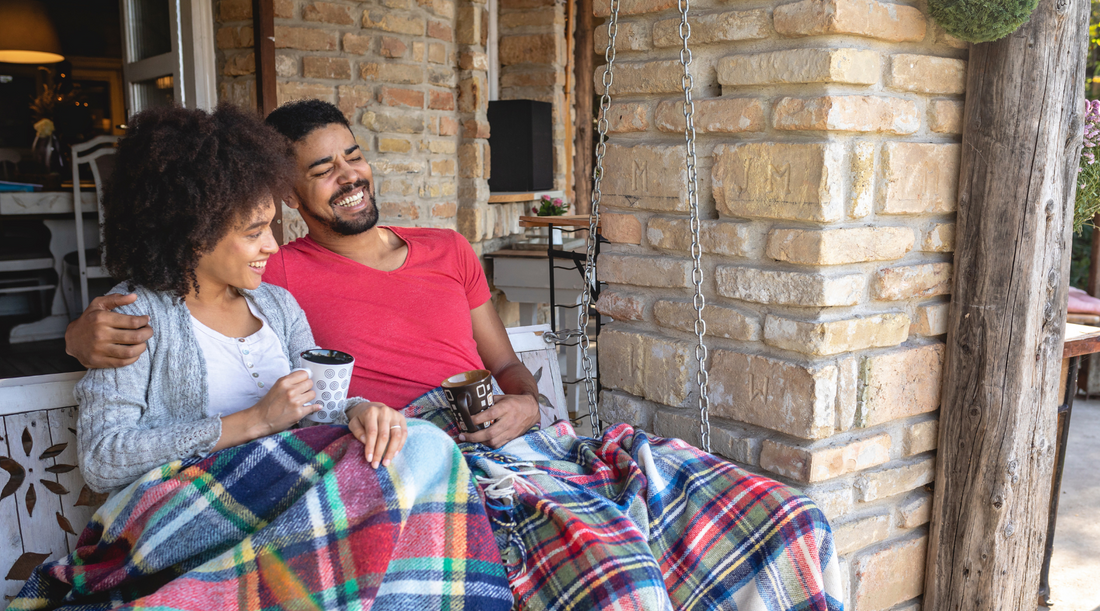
{"type": "Point", "coordinates": [343, 191]}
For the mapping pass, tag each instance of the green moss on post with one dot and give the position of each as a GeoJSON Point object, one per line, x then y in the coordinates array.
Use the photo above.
{"type": "Point", "coordinates": [981, 20]}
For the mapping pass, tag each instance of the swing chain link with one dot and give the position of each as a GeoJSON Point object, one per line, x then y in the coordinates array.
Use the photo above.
{"type": "Point", "coordinates": [594, 220]}
{"type": "Point", "coordinates": [699, 301]}
{"type": "Point", "coordinates": [561, 337]}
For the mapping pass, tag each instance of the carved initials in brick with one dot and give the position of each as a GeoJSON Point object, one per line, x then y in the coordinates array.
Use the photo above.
{"type": "Point", "coordinates": [763, 180]}
{"type": "Point", "coordinates": [759, 387]}
{"type": "Point", "coordinates": [639, 180]}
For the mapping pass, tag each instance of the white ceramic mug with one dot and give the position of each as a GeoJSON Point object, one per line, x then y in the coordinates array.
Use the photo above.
{"type": "Point", "coordinates": [330, 371]}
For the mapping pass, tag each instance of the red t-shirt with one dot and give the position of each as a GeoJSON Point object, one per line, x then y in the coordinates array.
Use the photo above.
{"type": "Point", "coordinates": [408, 329]}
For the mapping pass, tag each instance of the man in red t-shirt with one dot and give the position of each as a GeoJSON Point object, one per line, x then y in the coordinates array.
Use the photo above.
{"type": "Point", "coordinates": [410, 304]}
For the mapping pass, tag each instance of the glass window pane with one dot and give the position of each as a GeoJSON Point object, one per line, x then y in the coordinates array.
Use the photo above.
{"type": "Point", "coordinates": [153, 93]}
{"type": "Point", "coordinates": [150, 32]}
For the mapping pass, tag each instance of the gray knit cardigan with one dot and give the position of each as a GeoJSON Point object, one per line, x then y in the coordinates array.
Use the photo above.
{"type": "Point", "coordinates": [154, 411]}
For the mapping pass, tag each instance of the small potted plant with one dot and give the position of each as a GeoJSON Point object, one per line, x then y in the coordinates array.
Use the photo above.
{"type": "Point", "coordinates": [552, 206]}
{"type": "Point", "coordinates": [549, 206]}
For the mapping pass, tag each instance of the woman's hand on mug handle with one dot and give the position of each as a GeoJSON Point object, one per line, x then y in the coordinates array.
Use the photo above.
{"type": "Point", "coordinates": [287, 402]}
{"type": "Point", "coordinates": [380, 429]}
{"type": "Point", "coordinates": [282, 406]}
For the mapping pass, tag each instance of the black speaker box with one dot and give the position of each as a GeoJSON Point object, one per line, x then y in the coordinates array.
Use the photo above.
{"type": "Point", "coordinates": [522, 146]}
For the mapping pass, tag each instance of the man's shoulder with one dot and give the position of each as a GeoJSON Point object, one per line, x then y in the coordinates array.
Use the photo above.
{"type": "Point", "coordinates": [296, 247]}
{"type": "Point", "coordinates": [426, 233]}
{"type": "Point", "coordinates": [289, 261]}
{"type": "Point", "coordinates": [435, 239]}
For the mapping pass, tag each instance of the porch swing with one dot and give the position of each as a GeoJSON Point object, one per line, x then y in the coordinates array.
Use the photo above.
{"type": "Point", "coordinates": [716, 535]}
{"type": "Point", "coordinates": [699, 300]}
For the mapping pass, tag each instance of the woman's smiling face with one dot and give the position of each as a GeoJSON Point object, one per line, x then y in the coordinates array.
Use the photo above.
{"type": "Point", "coordinates": [239, 258]}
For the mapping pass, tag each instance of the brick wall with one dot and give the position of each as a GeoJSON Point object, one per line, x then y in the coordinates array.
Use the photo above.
{"type": "Point", "coordinates": [410, 75]}
{"type": "Point", "coordinates": [828, 149]}
{"type": "Point", "coordinates": [828, 136]}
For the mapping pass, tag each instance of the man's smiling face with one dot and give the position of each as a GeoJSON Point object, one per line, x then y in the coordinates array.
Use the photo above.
{"type": "Point", "coordinates": [335, 185]}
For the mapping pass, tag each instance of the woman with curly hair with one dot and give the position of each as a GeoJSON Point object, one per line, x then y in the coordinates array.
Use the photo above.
{"type": "Point", "coordinates": [214, 502]}
{"type": "Point", "coordinates": [186, 222]}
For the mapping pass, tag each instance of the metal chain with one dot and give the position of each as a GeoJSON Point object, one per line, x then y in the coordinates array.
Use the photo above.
{"type": "Point", "coordinates": [702, 377]}
{"type": "Point", "coordinates": [594, 220]}
{"type": "Point", "coordinates": [565, 335]}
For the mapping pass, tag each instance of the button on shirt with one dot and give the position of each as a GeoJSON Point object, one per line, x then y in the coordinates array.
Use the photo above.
{"type": "Point", "coordinates": [240, 370]}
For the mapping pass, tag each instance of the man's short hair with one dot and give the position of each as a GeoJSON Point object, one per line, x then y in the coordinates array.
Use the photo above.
{"type": "Point", "coordinates": [296, 120]}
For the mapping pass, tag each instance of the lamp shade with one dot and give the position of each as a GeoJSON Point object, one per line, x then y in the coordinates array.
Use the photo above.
{"type": "Point", "coordinates": [27, 35]}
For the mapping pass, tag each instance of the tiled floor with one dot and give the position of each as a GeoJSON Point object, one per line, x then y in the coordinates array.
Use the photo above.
{"type": "Point", "coordinates": [36, 358]}
{"type": "Point", "coordinates": [1075, 566]}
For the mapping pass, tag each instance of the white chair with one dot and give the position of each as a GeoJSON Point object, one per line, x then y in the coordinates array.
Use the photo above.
{"type": "Point", "coordinates": [93, 153]}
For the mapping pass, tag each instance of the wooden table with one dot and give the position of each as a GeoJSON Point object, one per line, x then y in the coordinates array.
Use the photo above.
{"type": "Point", "coordinates": [521, 274]}
{"type": "Point", "coordinates": [1079, 341]}
{"type": "Point", "coordinates": [576, 222]}
{"type": "Point", "coordinates": [513, 197]}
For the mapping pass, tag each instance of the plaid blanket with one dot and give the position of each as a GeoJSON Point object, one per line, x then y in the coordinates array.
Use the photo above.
{"type": "Point", "coordinates": [293, 521]}
{"type": "Point", "coordinates": [631, 521]}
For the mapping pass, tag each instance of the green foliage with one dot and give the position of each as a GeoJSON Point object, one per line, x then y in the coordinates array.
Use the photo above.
{"type": "Point", "coordinates": [1086, 203]}
{"type": "Point", "coordinates": [1082, 239]}
{"type": "Point", "coordinates": [551, 206]}
{"type": "Point", "coordinates": [981, 20]}
{"type": "Point", "coordinates": [1080, 258]}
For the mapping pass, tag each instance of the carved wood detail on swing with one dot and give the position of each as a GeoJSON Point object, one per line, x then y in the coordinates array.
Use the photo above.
{"type": "Point", "coordinates": [44, 503]}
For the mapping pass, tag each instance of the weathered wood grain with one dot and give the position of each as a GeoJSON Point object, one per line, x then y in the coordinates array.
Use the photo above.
{"type": "Point", "coordinates": [11, 542]}
{"type": "Point", "coordinates": [62, 423]}
{"type": "Point", "coordinates": [544, 365]}
{"type": "Point", "coordinates": [36, 512]}
{"type": "Point", "coordinates": [583, 67]}
{"type": "Point", "coordinates": [1021, 142]}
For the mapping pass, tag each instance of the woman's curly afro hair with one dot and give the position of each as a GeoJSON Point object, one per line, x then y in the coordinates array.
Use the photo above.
{"type": "Point", "coordinates": [183, 179]}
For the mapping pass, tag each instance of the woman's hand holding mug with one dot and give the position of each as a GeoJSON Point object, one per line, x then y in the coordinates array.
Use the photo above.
{"type": "Point", "coordinates": [289, 400]}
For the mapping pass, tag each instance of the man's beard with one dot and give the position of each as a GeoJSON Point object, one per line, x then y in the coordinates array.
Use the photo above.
{"type": "Point", "coordinates": [365, 220]}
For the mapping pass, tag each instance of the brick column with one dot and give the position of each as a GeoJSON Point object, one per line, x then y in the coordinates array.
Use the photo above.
{"type": "Point", "coordinates": [474, 214]}
{"type": "Point", "coordinates": [828, 149]}
{"type": "Point", "coordinates": [532, 56]}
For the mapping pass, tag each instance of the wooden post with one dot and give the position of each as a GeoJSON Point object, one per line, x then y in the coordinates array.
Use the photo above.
{"type": "Point", "coordinates": [263, 24]}
{"type": "Point", "coordinates": [582, 71]}
{"type": "Point", "coordinates": [570, 22]}
{"type": "Point", "coordinates": [1020, 148]}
